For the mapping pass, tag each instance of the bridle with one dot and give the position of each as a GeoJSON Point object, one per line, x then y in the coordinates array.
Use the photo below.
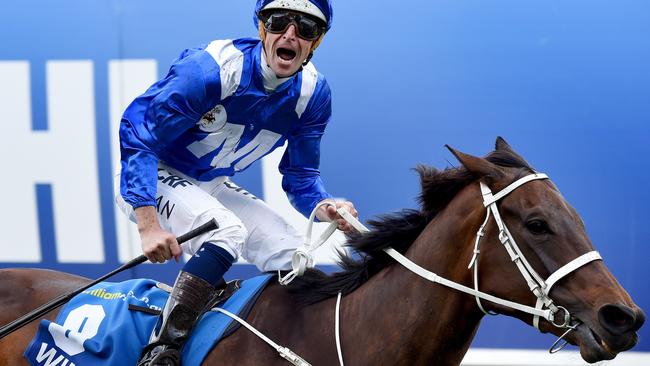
{"type": "Point", "coordinates": [544, 307]}
{"type": "Point", "coordinates": [537, 285]}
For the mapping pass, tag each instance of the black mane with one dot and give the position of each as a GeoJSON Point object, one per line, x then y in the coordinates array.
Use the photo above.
{"type": "Point", "coordinates": [397, 230]}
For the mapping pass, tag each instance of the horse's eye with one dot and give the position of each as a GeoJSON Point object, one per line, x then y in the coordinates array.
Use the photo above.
{"type": "Point", "coordinates": [537, 227]}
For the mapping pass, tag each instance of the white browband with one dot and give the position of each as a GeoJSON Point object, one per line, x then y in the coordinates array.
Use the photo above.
{"type": "Point", "coordinates": [489, 199]}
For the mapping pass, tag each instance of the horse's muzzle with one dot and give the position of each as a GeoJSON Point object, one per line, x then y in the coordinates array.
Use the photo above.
{"type": "Point", "coordinates": [614, 332]}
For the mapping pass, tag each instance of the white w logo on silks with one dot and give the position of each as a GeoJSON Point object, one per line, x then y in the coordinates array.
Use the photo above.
{"type": "Point", "coordinates": [227, 138]}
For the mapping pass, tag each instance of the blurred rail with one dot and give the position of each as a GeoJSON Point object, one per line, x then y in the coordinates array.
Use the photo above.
{"type": "Point", "coordinates": [507, 357]}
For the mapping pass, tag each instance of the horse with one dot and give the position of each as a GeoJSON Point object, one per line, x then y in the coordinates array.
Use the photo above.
{"type": "Point", "coordinates": [391, 316]}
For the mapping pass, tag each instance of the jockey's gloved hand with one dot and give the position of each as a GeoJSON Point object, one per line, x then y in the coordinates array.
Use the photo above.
{"type": "Point", "coordinates": [328, 213]}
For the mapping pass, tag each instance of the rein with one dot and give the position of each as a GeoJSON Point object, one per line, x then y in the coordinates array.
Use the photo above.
{"type": "Point", "coordinates": [544, 307]}
{"type": "Point", "coordinates": [302, 258]}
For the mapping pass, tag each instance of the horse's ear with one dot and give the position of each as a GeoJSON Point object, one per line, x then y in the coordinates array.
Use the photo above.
{"type": "Point", "coordinates": [502, 145]}
{"type": "Point", "coordinates": [483, 169]}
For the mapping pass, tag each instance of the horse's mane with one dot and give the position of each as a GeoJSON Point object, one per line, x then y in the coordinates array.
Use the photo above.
{"type": "Point", "coordinates": [397, 230]}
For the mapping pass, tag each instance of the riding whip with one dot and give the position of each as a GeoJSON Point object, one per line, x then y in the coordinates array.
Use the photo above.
{"type": "Point", "coordinates": [53, 304]}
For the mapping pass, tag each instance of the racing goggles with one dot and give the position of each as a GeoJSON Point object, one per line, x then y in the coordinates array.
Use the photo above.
{"type": "Point", "coordinates": [306, 27]}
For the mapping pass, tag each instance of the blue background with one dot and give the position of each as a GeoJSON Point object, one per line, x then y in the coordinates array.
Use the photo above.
{"type": "Point", "coordinates": [567, 83]}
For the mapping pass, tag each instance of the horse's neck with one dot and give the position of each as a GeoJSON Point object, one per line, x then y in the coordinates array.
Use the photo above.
{"type": "Point", "coordinates": [421, 322]}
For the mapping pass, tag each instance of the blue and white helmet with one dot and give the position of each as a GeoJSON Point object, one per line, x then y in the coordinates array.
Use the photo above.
{"type": "Point", "coordinates": [321, 9]}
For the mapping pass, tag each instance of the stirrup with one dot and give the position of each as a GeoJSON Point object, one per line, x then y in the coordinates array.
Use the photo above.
{"type": "Point", "coordinates": [160, 355]}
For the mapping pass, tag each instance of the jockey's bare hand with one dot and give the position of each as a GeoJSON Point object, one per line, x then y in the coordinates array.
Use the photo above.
{"type": "Point", "coordinates": [158, 245]}
{"type": "Point", "coordinates": [328, 213]}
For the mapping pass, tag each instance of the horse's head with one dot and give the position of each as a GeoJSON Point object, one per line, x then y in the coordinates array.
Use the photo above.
{"type": "Point", "coordinates": [549, 234]}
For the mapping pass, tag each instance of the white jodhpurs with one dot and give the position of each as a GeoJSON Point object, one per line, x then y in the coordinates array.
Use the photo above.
{"type": "Point", "coordinates": [248, 227]}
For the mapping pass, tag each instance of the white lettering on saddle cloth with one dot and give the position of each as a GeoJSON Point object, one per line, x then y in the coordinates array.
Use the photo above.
{"type": "Point", "coordinates": [51, 357]}
{"type": "Point", "coordinates": [102, 294]}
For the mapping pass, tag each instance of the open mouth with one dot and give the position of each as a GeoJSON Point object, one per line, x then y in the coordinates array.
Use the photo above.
{"type": "Point", "coordinates": [286, 54]}
{"type": "Point", "coordinates": [592, 346]}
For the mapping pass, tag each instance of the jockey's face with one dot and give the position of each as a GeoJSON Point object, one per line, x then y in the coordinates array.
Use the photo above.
{"type": "Point", "coordinates": [285, 52]}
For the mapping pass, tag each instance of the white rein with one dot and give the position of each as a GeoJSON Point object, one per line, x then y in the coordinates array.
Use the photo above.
{"type": "Point", "coordinates": [537, 285]}
{"type": "Point", "coordinates": [544, 308]}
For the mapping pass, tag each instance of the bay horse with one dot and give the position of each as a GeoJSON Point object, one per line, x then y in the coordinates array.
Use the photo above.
{"type": "Point", "coordinates": [391, 316]}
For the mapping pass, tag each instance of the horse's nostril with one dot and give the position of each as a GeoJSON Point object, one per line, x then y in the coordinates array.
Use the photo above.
{"type": "Point", "coordinates": [617, 319]}
{"type": "Point", "coordinates": [640, 319]}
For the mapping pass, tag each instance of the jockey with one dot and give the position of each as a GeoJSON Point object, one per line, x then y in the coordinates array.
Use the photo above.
{"type": "Point", "coordinates": [219, 109]}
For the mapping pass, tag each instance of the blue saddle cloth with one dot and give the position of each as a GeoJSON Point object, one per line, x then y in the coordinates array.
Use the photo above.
{"type": "Point", "coordinates": [97, 328]}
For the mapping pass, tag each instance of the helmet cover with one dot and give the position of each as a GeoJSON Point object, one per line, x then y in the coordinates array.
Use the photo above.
{"type": "Point", "coordinates": [320, 9]}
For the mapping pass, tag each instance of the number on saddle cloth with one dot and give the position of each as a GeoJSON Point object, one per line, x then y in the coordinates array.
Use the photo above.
{"type": "Point", "coordinates": [99, 328]}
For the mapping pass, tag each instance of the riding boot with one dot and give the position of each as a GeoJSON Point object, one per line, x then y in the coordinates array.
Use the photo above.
{"type": "Point", "coordinates": [184, 305]}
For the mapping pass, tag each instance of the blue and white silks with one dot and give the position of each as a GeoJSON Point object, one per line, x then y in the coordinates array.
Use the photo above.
{"type": "Point", "coordinates": [211, 116]}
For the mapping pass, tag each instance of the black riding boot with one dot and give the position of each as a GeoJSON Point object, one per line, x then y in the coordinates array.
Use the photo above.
{"type": "Point", "coordinates": [184, 305]}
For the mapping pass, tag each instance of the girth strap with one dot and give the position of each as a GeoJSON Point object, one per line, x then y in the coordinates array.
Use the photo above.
{"type": "Point", "coordinates": [284, 352]}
